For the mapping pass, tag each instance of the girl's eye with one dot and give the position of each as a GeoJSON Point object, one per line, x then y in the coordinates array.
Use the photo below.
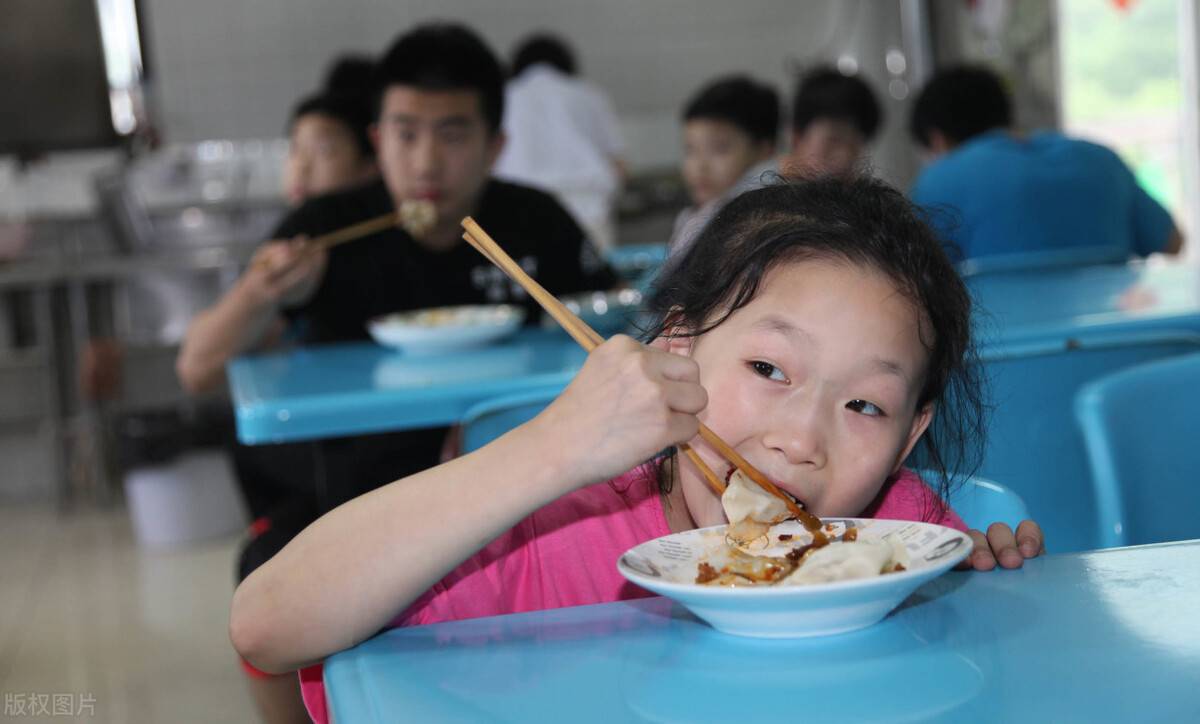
{"type": "Point", "coordinates": [768, 370]}
{"type": "Point", "coordinates": [865, 408]}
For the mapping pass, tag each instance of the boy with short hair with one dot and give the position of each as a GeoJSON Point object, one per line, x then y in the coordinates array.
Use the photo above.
{"type": "Point", "coordinates": [834, 117]}
{"type": "Point", "coordinates": [993, 191]}
{"type": "Point", "coordinates": [730, 128]}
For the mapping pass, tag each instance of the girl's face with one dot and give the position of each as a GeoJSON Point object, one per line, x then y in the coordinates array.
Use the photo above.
{"type": "Point", "coordinates": [323, 157]}
{"type": "Point", "coordinates": [715, 155]}
{"type": "Point", "coordinates": [815, 382]}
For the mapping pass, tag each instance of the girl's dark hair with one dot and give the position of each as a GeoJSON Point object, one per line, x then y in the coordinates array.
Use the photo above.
{"type": "Point", "coordinates": [860, 221]}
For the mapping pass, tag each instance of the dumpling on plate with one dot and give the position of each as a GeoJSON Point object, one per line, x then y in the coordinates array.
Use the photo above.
{"type": "Point", "coordinates": [846, 561]}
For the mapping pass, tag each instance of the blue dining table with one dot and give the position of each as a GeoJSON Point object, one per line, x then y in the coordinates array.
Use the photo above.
{"type": "Point", "coordinates": [1019, 306]}
{"type": "Point", "coordinates": [1087, 637]}
{"type": "Point", "coordinates": [326, 391]}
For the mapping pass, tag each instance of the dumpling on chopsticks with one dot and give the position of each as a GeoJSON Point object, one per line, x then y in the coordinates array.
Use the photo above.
{"type": "Point", "coordinates": [750, 510]}
{"type": "Point", "coordinates": [418, 216]}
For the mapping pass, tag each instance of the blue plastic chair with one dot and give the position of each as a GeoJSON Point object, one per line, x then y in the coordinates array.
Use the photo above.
{"type": "Point", "coordinates": [490, 419]}
{"type": "Point", "coordinates": [1033, 443]}
{"type": "Point", "coordinates": [981, 502]}
{"type": "Point", "coordinates": [1143, 451]}
{"type": "Point", "coordinates": [1047, 259]}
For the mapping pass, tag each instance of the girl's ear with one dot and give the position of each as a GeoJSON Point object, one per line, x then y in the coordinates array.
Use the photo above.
{"type": "Point", "coordinates": [675, 345]}
{"type": "Point", "coordinates": [920, 423]}
{"type": "Point", "coordinates": [675, 338]}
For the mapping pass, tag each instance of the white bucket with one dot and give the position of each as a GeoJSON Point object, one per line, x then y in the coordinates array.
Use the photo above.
{"type": "Point", "coordinates": [192, 498]}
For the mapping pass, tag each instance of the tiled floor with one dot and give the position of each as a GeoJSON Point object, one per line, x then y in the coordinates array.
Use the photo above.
{"type": "Point", "coordinates": [118, 633]}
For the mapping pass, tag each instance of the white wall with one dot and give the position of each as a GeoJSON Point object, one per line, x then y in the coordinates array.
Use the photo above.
{"type": "Point", "coordinates": [233, 69]}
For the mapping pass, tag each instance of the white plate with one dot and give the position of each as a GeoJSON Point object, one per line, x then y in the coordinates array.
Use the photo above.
{"type": "Point", "coordinates": [428, 331]}
{"type": "Point", "coordinates": [667, 566]}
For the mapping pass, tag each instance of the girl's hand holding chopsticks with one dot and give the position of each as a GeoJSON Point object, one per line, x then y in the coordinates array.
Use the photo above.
{"type": "Point", "coordinates": [589, 340]}
{"type": "Point", "coordinates": [628, 402]}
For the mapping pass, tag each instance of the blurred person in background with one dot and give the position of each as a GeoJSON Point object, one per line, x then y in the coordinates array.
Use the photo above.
{"type": "Point", "coordinates": [562, 135]}
{"type": "Point", "coordinates": [834, 119]}
{"type": "Point", "coordinates": [330, 149]}
{"type": "Point", "coordinates": [436, 135]}
{"type": "Point", "coordinates": [730, 128]}
{"type": "Point", "coordinates": [991, 190]}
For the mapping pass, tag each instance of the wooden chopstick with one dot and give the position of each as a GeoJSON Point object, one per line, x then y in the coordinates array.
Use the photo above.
{"type": "Point", "coordinates": [579, 330]}
{"type": "Point", "coordinates": [714, 481]}
{"type": "Point", "coordinates": [349, 233]}
{"type": "Point", "coordinates": [588, 338]}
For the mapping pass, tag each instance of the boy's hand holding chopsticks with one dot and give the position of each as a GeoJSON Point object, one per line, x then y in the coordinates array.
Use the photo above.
{"type": "Point", "coordinates": [284, 272]}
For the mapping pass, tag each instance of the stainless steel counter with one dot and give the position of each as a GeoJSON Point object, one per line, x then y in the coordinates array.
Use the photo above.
{"type": "Point", "coordinates": [52, 305]}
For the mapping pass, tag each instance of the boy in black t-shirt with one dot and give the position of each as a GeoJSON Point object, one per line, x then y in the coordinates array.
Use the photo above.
{"type": "Point", "coordinates": [436, 135]}
{"type": "Point", "coordinates": [393, 271]}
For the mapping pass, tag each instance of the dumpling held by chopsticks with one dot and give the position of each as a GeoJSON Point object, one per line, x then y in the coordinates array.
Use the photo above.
{"type": "Point", "coordinates": [749, 509]}
{"type": "Point", "coordinates": [418, 216]}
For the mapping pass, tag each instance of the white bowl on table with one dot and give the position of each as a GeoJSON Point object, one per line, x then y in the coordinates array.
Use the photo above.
{"type": "Point", "coordinates": [445, 329]}
{"type": "Point", "coordinates": [668, 565]}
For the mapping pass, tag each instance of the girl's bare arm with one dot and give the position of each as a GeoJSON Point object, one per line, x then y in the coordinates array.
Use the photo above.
{"type": "Point", "coordinates": [347, 575]}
